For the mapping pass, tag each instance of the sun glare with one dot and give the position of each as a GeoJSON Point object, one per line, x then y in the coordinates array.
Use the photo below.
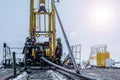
{"type": "Point", "coordinates": [103, 18]}
{"type": "Point", "coordinates": [101, 15]}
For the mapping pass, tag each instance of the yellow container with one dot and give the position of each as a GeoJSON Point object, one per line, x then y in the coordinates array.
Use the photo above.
{"type": "Point", "coordinates": [101, 58]}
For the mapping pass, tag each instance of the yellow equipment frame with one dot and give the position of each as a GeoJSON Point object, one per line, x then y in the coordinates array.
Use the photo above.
{"type": "Point", "coordinates": [51, 33]}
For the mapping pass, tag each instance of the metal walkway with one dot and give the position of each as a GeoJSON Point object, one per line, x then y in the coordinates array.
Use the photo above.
{"type": "Point", "coordinates": [46, 75]}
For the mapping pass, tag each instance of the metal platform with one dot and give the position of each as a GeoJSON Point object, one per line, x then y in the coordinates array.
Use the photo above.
{"type": "Point", "coordinates": [46, 75]}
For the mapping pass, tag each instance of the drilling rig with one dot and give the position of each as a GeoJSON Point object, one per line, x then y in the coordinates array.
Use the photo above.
{"type": "Point", "coordinates": [42, 34]}
{"type": "Point", "coordinates": [42, 50]}
{"type": "Point", "coordinates": [42, 45]}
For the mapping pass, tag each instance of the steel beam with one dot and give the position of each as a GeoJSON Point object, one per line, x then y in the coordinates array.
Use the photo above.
{"type": "Point", "coordinates": [66, 39]}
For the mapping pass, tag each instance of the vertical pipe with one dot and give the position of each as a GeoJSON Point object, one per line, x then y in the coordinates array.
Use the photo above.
{"type": "Point", "coordinates": [49, 22]}
{"type": "Point", "coordinates": [34, 26]}
{"type": "Point", "coordinates": [31, 18]}
{"type": "Point", "coordinates": [44, 22]}
{"type": "Point", "coordinates": [50, 37]}
{"type": "Point", "coordinates": [5, 56]}
{"type": "Point", "coordinates": [66, 39]}
{"type": "Point", "coordinates": [14, 64]}
{"type": "Point", "coordinates": [80, 52]}
{"type": "Point", "coordinates": [53, 29]}
{"type": "Point", "coordinates": [5, 52]}
{"type": "Point", "coordinates": [39, 22]}
{"type": "Point", "coordinates": [39, 15]}
{"type": "Point", "coordinates": [45, 18]}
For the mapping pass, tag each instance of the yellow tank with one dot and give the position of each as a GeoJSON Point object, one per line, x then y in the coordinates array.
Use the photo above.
{"type": "Point", "coordinates": [98, 55]}
{"type": "Point", "coordinates": [101, 58]}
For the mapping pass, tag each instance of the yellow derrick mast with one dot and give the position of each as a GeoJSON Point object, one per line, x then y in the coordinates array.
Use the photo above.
{"type": "Point", "coordinates": [42, 24]}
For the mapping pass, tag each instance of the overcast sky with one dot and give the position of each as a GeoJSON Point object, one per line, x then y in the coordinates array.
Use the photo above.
{"type": "Point", "coordinates": [86, 22]}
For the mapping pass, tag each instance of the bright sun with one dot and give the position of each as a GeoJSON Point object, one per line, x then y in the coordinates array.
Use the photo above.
{"type": "Point", "coordinates": [103, 16]}
{"type": "Point", "coordinates": [100, 16]}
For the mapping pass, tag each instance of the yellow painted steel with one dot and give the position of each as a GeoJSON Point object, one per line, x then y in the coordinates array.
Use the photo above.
{"type": "Point", "coordinates": [33, 53]}
{"type": "Point", "coordinates": [101, 58]}
{"type": "Point", "coordinates": [50, 35]}
{"type": "Point", "coordinates": [49, 27]}
{"type": "Point", "coordinates": [54, 30]}
{"type": "Point", "coordinates": [34, 25]}
{"type": "Point", "coordinates": [31, 18]}
{"type": "Point", "coordinates": [48, 52]}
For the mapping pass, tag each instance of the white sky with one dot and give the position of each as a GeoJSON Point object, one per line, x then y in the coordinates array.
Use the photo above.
{"type": "Point", "coordinates": [78, 17]}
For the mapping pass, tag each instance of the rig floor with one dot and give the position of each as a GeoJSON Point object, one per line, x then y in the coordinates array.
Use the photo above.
{"type": "Point", "coordinates": [97, 73]}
